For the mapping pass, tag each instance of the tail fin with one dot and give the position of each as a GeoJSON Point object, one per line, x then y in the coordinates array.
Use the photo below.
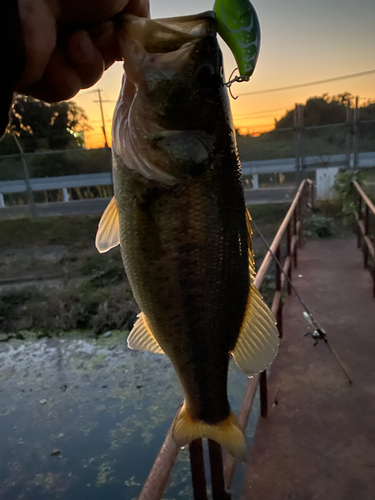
{"type": "Point", "coordinates": [227, 432]}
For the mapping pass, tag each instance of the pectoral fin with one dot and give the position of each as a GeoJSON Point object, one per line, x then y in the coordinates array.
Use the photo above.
{"type": "Point", "coordinates": [141, 337]}
{"type": "Point", "coordinates": [108, 235]}
{"type": "Point", "coordinates": [258, 340]}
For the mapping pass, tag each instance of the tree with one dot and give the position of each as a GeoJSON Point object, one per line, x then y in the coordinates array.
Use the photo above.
{"type": "Point", "coordinates": [47, 126]}
{"type": "Point", "coordinates": [321, 110]}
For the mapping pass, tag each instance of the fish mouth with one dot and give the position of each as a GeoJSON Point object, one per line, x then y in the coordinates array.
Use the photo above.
{"type": "Point", "coordinates": [160, 57]}
{"type": "Point", "coordinates": [158, 36]}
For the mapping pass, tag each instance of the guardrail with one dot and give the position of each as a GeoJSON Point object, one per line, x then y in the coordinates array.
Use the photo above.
{"type": "Point", "coordinates": [282, 165]}
{"type": "Point", "coordinates": [289, 234]}
{"type": "Point", "coordinates": [63, 182]}
{"type": "Point", "coordinates": [365, 209]}
{"type": "Point", "coordinates": [254, 168]}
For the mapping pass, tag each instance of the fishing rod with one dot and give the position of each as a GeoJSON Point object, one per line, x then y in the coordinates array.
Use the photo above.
{"type": "Point", "coordinates": [319, 333]}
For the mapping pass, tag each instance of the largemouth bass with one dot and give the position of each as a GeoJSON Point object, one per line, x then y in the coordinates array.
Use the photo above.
{"type": "Point", "coordinates": [180, 217]}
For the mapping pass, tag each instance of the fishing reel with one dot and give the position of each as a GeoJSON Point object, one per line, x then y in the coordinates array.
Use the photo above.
{"type": "Point", "coordinates": [318, 333]}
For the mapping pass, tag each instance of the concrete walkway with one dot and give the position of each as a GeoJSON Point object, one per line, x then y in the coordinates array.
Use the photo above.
{"type": "Point", "coordinates": [318, 442]}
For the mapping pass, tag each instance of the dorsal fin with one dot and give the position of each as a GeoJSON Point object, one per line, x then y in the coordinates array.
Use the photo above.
{"type": "Point", "coordinates": [141, 337]}
{"type": "Point", "coordinates": [258, 340]}
{"type": "Point", "coordinates": [108, 235]}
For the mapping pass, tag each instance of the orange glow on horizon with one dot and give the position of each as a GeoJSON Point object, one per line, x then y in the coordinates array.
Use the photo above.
{"type": "Point", "coordinates": [252, 114]}
{"type": "Point", "coordinates": [95, 138]}
{"type": "Point", "coordinates": [248, 122]}
{"type": "Point", "coordinates": [294, 57]}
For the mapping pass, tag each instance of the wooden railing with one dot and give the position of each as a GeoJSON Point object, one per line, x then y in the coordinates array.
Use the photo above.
{"type": "Point", "coordinates": [365, 217]}
{"type": "Point", "coordinates": [286, 242]}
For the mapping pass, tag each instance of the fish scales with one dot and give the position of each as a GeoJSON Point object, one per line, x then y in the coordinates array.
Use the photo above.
{"type": "Point", "coordinates": [180, 217]}
{"type": "Point", "coordinates": [194, 301]}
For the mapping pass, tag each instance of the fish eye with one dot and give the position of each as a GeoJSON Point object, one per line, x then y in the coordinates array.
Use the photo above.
{"type": "Point", "coordinates": [206, 76]}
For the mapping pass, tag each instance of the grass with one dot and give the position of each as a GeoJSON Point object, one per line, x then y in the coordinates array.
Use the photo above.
{"type": "Point", "coordinates": [79, 231]}
{"type": "Point", "coordinates": [268, 217]}
{"type": "Point", "coordinates": [99, 299]}
{"type": "Point", "coordinates": [96, 295]}
{"type": "Point", "coordinates": [76, 231]}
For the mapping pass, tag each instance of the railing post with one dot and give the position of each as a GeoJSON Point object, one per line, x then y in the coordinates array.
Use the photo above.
{"type": "Point", "coordinates": [198, 476]}
{"type": "Point", "coordinates": [359, 236]}
{"type": "Point", "coordinates": [279, 318]}
{"type": "Point", "coordinates": [289, 254]}
{"type": "Point", "coordinates": [367, 226]}
{"type": "Point", "coordinates": [217, 475]}
{"type": "Point", "coordinates": [312, 196]}
{"type": "Point", "coordinates": [299, 222]}
{"type": "Point", "coordinates": [295, 259]}
{"type": "Point", "coordinates": [263, 392]}
{"type": "Point", "coordinates": [277, 269]}
{"type": "Point", "coordinates": [65, 194]}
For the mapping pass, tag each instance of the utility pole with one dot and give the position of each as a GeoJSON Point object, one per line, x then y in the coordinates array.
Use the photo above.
{"type": "Point", "coordinates": [103, 121]}
{"type": "Point", "coordinates": [348, 133]}
{"type": "Point", "coordinates": [100, 101]}
{"type": "Point", "coordinates": [29, 190]}
{"type": "Point", "coordinates": [356, 133]}
{"type": "Point", "coordinates": [298, 119]}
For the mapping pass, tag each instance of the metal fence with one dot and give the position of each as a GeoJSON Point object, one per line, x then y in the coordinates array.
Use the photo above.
{"type": "Point", "coordinates": [284, 155]}
{"type": "Point", "coordinates": [365, 217]}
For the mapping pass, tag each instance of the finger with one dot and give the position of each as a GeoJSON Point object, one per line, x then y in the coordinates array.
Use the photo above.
{"type": "Point", "coordinates": [39, 31]}
{"type": "Point", "coordinates": [104, 37]}
{"type": "Point", "coordinates": [85, 58]}
{"type": "Point", "coordinates": [90, 10]}
{"type": "Point", "coordinates": [59, 82]}
{"type": "Point", "coordinates": [139, 8]}
{"type": "Point", "coordinates": [105, 34]}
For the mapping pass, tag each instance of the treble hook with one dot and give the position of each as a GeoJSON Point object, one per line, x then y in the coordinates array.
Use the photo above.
{"type": "Point", "coordinates": [236, 79]}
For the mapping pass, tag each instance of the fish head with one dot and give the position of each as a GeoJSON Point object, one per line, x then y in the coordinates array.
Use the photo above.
{"type": "Point", "coordinates": [179, 101]}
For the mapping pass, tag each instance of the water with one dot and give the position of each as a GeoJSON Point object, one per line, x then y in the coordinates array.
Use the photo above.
{"type": "Point", "coordinates": [86, 418]}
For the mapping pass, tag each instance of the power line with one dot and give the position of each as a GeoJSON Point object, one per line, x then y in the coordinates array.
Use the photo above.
{"type": "Point", "coordinates": [264, 111]}
{"type": "Point", "coordinates": [246, 117]}
{"type": "Point", "coordinates": [260, 125]}
{"type": "Point", "coordinates": [344, 77]}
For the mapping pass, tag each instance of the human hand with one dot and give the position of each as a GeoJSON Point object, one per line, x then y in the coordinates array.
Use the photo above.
{"type": "Point", "coordinates": [69, 43]}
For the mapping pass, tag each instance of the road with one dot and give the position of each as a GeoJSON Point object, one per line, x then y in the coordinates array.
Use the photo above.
{"type": "Point", "coordinates": [97, 206]}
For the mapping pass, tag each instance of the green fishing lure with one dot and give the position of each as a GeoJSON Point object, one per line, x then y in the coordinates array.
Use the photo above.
{"type": "Point", "coordinates": [238, 25]}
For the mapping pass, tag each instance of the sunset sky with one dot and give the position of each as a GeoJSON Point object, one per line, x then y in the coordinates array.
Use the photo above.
{"type": "Point", "coordinates": [302, 41]}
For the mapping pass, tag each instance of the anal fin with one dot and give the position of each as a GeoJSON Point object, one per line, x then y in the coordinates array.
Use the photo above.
{"type": "Point", "coordinates": [258, 341]}
{"type": "Point", "coordinates": [141, 337]}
